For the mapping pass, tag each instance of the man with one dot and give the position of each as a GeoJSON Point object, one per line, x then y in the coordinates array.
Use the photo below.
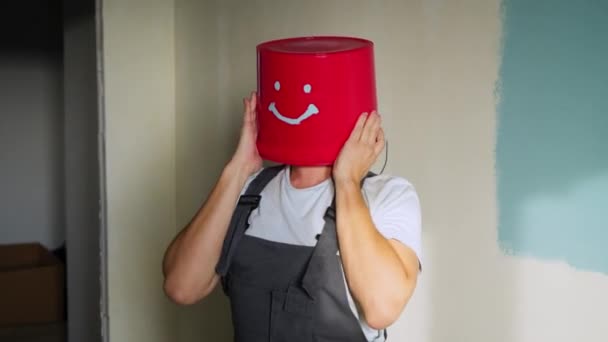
{"type": "Point", "coordinates": [311, 253]}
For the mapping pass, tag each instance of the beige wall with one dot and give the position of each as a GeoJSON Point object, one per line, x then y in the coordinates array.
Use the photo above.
{"type": "Point", "coordinates": [175, 75]}
{"type": "Point", "coordinates": [174, 78]}
{"type": "Point", "coordinates": [139, 101]}
{"type": "Point", "coordinates": [437, 63]}
{"type": "Point", "coordinates": [201, 144]}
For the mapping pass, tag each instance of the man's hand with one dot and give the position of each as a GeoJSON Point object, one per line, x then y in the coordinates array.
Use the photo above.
{"type": "Point", "coordinates": [360, 150]}
{"type": "Point", "coordinates": [246, 158]}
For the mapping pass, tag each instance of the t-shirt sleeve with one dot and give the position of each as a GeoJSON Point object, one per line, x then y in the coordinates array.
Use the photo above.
{"type": "Point", "coordinates": [396, 212]}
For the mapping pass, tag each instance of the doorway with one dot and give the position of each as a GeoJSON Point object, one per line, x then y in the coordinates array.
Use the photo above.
{"type": "Point", "coordinates": [50, 199]}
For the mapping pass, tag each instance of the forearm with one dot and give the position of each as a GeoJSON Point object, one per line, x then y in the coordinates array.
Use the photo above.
{"type": "Point", "coordinates": [375, 274]}
{"type": "Point", "coordinates": [190, 260]}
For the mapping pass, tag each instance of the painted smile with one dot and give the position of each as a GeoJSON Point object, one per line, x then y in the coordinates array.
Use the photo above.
{"type": "Point", "coordinates": [310, 111]}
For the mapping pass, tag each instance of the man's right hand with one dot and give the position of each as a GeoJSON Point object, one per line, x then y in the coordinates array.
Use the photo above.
{"type": "Point", "coordinates": [246, 157]}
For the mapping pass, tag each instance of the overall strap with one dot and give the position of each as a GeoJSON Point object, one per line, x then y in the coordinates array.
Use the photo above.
{"type": "Point", "coordinates": [327, 244]}
{"type": "Point", "coordinates": [247, 203]}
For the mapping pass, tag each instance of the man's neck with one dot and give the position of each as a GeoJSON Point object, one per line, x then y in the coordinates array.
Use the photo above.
{"type": "Point", "coordinates": [307, 176]}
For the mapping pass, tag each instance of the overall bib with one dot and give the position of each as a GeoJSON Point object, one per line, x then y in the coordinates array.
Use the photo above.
{"type": "Point", "coordinates": [283, 292]}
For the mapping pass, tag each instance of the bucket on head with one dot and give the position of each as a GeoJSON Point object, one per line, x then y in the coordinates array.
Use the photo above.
{"type": "Point", "coordinates": [311, 92]}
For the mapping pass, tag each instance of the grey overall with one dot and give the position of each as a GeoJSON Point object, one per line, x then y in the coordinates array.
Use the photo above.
{"type": "Point", "coordinates": [282, 292]}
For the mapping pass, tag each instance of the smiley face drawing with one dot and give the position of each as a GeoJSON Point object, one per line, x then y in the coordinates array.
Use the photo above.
{"type": "Point", "coordinates": [310, 110]}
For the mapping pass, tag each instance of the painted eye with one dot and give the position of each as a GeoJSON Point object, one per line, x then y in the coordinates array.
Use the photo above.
{"type": "Point", "coordinates": [277, 85]}
{"type": "Point", "coordinates": [307, 88]}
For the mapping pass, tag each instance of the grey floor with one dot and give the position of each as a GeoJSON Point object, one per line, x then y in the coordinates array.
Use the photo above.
{"type": "Point", "coordinates": [34, 333]}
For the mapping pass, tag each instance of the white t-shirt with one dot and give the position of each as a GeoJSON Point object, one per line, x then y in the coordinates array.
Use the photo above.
{"type": "Point", "coordinates": [295, 216]}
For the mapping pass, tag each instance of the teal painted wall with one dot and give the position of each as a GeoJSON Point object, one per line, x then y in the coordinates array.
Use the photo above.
{"type": "Point", "coordinates": [552, 147]}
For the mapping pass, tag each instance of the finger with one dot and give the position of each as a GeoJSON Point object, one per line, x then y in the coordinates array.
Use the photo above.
{"type": "Point", "coordinates": [253, 100]}
{"type": "Point", "coordinates": [358, 129]}
{"type": "Point", "coordinates": [246, 110]}
{"type": "Point", "coordinates": [250, 109]}
{"type": "Point", "coordinates": [370, 131]}
{"type": "Point", "coordinates": [245, 107]}
{"type": "Point", "coordinates": [379, 143]}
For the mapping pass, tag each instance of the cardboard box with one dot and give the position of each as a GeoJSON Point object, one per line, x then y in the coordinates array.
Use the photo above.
{"type": "Point", "coordinates": [32, 283]}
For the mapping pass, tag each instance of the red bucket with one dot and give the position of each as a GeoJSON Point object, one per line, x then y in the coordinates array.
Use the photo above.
{"type": "Point", "coordinates": [311, 92]}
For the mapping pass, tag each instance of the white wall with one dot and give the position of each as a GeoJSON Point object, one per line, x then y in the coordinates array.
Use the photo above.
{"type": "Point", "coordinates": [31, 124]}
{"type": "Point", "coordinates": [139, 106]}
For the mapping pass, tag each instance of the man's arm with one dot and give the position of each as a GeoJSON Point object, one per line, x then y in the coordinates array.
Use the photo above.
{"type": "Point", "coordinates": [381, 273]}
{"type": "Point", "coordinates": [190, 260]}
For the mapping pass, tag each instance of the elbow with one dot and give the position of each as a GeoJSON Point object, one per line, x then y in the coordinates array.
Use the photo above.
{"type": "Point", "coordinates": [383, 314]}
{"type": "Point", "coordinates": [380, 319]}
{"type": "Point", "coordinates": [180, 293]}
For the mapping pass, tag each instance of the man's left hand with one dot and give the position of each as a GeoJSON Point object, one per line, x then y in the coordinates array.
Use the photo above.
{"type": "Point", "coordinates": [361, 149]}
